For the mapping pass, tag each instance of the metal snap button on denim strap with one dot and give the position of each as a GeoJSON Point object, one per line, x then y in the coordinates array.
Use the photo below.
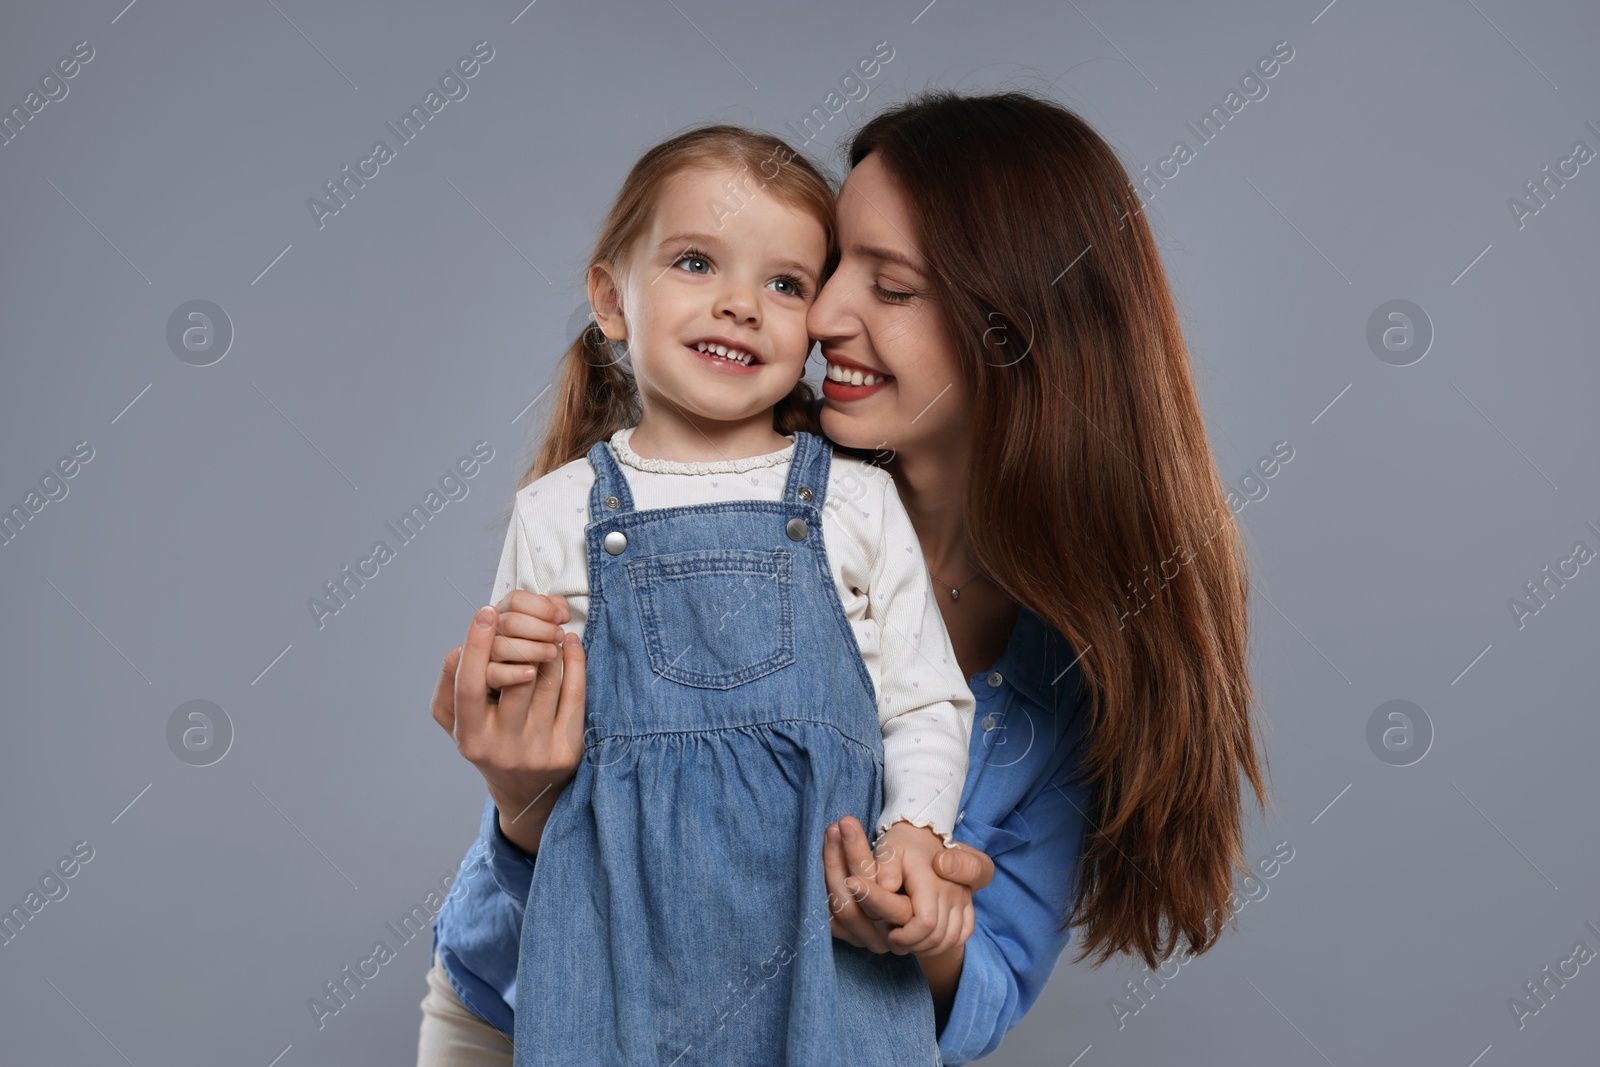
{"type": "Point", "coordinates": [988, 723]}
{"type": "Point", "coordinates": [796, 529]}
{"type": "Point", "coordinates": [615, 542]}
{"type": "Point", "coordinates": [804, 492]}
{"type": "Point", "coordinates": [612, 503]}
{"type": "Point", "coordinates": [995, 679]}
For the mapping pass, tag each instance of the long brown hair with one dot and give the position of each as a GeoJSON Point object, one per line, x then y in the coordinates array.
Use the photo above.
{"type": "Point", "coordinates": [595, 394]}
{"type": "Point", "coordinates": [1094, 474]}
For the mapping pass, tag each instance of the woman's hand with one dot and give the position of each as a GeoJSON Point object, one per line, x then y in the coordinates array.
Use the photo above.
{"type": "Point", "coordinates": [872, 917]}
{"type": "Point", "coordinates": [512, 699]}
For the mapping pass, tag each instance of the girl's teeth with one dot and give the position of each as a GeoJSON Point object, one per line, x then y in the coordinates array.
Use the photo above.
{"type": "Point", "coordinates": [723, 352]}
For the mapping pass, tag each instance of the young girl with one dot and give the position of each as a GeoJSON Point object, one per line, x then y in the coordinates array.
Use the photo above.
{"type": "Point", "coordinates": [765, 654]}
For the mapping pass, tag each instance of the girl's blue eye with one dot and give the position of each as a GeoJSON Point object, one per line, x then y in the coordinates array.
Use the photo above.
{"type": "Point", "coordinates": [696, 263]}
{"type": "Point", "coordinates": [795, 286]}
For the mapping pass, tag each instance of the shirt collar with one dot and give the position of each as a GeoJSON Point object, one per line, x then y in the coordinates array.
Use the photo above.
{"type": "Point", "coordinates": [1039, 663]}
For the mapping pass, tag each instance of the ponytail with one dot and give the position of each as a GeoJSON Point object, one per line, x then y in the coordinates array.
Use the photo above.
{"type": "Point", "coordinates": [595, 397]}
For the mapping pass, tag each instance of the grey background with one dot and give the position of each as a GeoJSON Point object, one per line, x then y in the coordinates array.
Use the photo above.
{"type": "Point", "coordinates": [428, 313]}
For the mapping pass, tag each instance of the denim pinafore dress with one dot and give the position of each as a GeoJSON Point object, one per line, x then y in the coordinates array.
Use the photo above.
{"type": "Point", "coordinates": [678, 913]}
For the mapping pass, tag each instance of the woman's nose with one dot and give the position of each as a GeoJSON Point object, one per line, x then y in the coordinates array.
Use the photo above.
{"type": "Point", "coordinates": [822, 319]}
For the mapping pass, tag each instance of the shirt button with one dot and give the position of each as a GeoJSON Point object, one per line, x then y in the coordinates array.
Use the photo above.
{"type": "Point", "coordinates": [995, 679]}
{"type": "Point", "coordinates": [988, 723]}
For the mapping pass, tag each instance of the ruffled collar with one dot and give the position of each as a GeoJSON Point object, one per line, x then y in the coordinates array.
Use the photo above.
{"type": "Point", "coordinates": [625, 454]}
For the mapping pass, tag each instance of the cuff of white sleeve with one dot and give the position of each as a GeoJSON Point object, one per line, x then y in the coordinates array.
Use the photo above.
{"type": "Point", "coordinates": [925, 820]}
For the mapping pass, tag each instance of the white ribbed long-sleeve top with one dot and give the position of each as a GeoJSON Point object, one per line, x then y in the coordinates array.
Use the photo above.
{"type": "Point", "coordinates": [925, 707]}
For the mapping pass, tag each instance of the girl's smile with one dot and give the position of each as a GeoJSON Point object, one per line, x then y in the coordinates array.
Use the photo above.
{"type": "Point", "coordinates": [727, 356]}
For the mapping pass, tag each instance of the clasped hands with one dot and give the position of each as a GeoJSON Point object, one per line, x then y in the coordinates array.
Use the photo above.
{"type": "Point", "coordinates": [512, 699]}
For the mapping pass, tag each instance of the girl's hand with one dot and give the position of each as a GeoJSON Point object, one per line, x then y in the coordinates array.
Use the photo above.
{"type": "Point", "coordinates": [527, 738]}
{"type": "Point", "coordinates": [867, 915]}
{"type": "Point", "coordinates": [942, 915]}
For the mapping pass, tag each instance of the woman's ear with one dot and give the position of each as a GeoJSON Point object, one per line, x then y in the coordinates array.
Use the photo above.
{"type": "Point", "coordinates": [605, 299]}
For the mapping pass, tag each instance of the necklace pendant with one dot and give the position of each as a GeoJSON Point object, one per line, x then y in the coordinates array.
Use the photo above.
{"type": "Point", "coordinates": [955, 594]}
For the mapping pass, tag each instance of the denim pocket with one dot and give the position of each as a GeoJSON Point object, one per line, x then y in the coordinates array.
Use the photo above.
{"type": "Point", "coordinates": [716, 619]}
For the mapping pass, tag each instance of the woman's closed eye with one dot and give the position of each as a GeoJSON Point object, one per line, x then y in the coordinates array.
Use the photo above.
{"type": "Point", "coordinates": [894, 296]}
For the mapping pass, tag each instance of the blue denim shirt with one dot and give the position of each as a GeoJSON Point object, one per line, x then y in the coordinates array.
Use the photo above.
{"type": "Point", "coordinates": [1023, 804]}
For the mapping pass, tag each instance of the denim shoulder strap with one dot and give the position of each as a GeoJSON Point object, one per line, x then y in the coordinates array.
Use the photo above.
{"type": "Point", "coordinates": [609, 482]}
{"type": "Point", "coordinates": [808, 470]}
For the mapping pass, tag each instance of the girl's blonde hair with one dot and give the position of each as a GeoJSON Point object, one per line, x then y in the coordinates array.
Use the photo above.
{"type": "Point", "coordinates": [596, 395]}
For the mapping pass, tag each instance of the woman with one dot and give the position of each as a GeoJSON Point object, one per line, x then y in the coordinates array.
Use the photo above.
{"type": "Point", "coordinates": [1040, 421]}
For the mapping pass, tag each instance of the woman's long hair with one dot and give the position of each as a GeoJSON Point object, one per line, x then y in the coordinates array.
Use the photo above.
{"type": "Point", "coordinates": [1091, 482]}
{"type": "Point", "coordinates": [595, 393]}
